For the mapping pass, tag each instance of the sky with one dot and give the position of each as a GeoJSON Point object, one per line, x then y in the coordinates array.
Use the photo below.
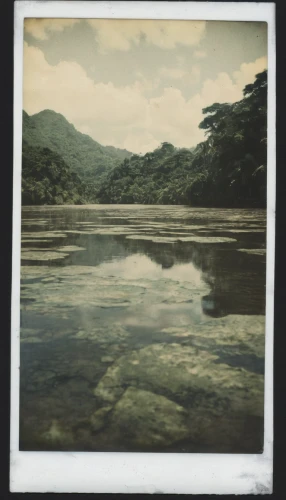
{"type": "Point", "coordinates": [134, 84]}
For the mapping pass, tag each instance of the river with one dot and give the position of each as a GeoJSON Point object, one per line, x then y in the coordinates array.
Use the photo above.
{"type": "Point", "coordinates": [142, 329]}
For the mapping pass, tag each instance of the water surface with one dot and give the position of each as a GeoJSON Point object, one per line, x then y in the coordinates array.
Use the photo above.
{"type": "Point", "coordinates": [142, 329]}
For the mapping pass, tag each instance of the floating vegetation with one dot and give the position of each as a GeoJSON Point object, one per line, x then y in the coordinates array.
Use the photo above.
{"type": "Point", "coordinates": [43, 234]}
{"type": "Point", "coordinates": [233, 330]}
{"type": "Point", "coordinates": [71, 248]}
{"type": "Point", "coordinates": [118, 348]}
{"type": "Point", "coordinates": [207, 239]}
{"type": "Point", "coordinates": [34, 223]}
{"type": "Point", "coordinates": [155, 239]}
{"type": "Point", "coordinates": [253, 251]}
{"type": "Point", "coordinates": [174, 239]}
{"type": "Point", "coordinates": [35, 240]}
{"type": "Point", "coordinates": [33, 255]}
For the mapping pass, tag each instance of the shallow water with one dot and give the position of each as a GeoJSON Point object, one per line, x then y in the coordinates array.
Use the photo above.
{"type": "Point", "coordinates": [142, 329]}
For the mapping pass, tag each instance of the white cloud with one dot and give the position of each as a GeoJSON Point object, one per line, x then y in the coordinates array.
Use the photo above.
{"type": "Point", "coordinates": [120, 34]}
{"type": "Point", "coordinates": [178, 73]}
{"type": "Point", "coordinates": [221, 89]}
{"type": "Point", "coordinates": [200, 54]}
{"type": "Point", "coordinates": [247, 71]}
{"type": "Point", "coordinates": [41, 28]}
{"type": "Point", "coordinates": [124, 116]}
{"type": "Point", "coordinates": [173, 73]}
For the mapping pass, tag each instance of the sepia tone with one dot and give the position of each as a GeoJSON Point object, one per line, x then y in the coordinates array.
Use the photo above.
{"type": "Point", "coordinates": [143, 252]}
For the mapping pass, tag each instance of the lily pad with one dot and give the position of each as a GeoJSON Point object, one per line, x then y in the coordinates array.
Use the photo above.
{"type": "Point", "coordinates": [207, 239]}
{"type": "Point", "coordinates": [42, 234]}
{"type": "Point", "coordinates": [253, 251]}
{"type": "Point", "coordinates": [70, 248]}
{"type": "Point", "coordinates": [155, 239]}
{"type": "Point", "coordinates": [35, 240]}
{"type": "Point", "coordinates": [33, 255]}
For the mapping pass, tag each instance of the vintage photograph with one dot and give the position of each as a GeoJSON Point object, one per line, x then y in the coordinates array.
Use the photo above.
{"type": "Point", "coordinates": [143, 236]}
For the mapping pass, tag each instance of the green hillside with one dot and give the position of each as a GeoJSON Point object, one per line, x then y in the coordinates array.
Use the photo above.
{"type": "Point", "coordinates": [157, 177]}
{"type": "Point", "coordinates": [228, 169]}
{"type": "Point", "coordinates": [84, 156]}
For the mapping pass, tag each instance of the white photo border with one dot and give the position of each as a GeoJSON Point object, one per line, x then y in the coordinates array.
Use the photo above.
{"type": "Point", "coordinates": [66, 472]}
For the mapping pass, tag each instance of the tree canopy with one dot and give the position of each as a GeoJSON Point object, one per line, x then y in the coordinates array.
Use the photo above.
{"type": "Point", "coordinates": [227, 169]}
{"type": "Point", "coordinates": [47, 179]}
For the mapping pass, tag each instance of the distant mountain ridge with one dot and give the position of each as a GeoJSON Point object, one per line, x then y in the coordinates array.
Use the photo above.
{"type": "Point", "coordinates": [86, 157]}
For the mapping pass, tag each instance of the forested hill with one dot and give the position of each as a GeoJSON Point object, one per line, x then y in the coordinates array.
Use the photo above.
{"type": "Point", "coordinates": [228, 169]}
{"type": "Point", "coordinates": [86, 157]}
{"type": "Point", "coordinates": [47, 179]}
{"type": "Point", "coordinates": [157, 177]}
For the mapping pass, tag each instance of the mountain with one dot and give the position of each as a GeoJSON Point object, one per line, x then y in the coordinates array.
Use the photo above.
{"type": "Point", "coordinates": [228, 169]}
{"type": "Point", "coordinates": [86, 157]}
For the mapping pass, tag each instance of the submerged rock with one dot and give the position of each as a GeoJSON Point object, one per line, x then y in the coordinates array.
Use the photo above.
{"type": "Point", "coordinates": [145, 419]}
{"type": "Point", "coordinates": [56, 435]}
{"type": "Point", "coordinates": [107, 359]}
{"type": "Point", "coordinates": [187, 375]}
{"type": "Point", "coordinates": [99, 418]}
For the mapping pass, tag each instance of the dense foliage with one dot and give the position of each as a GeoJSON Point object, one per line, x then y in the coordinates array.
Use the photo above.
{"type": "Point", "coordinates": [157, 177]}
{"type": "Point", "coordinates": [82, 154]}
{"type": "Point", "coordinates": [47, 179]}
{"type": "Point", "coordinates": [227, 169]}
{"type": "Point", "coordinates": [234, 156]}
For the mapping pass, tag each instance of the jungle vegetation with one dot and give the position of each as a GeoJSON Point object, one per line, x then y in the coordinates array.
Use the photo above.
{"type": "Point", "coordinates": [47, 179]}
{"type": "Point", "coordinates": [227, 169]}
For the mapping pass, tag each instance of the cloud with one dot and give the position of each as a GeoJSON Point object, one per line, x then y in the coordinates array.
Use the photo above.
{"type": "Point", "coordinates": [125, 116]}
{"type": "Point", "coordinates": [178, 73]}
{"type": "Point", "coordinates": [200, 54]}
{"type": "Point", "coordinates": [221, 89]}
{"type": "Point", "coordinates": [172, 73]}
{"type": "Point", "coordinates": [42, 28]}
{"type": "Point", "coordinates": [247, 71]}
{"type": "Point", "coordinates": [121, 34]}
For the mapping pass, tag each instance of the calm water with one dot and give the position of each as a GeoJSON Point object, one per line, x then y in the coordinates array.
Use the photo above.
{"type": "Point", "coordinates": [142, 329]}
